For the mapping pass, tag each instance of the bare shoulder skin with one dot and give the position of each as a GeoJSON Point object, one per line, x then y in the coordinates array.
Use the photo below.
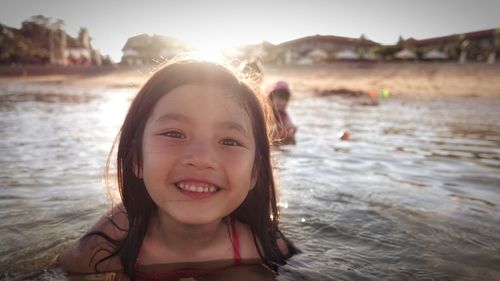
{"type": "Point", "coordinates": [286, 247]}
{"type": "Point", "coordinates": [84, 254]}
{"type": "Point", "coordinates": [248, 248]}
{"type": "Point", "coordinates": [282, 245]}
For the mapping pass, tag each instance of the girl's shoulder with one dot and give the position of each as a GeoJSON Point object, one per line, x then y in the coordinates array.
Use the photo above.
{"type": "Point", "coordinates": [99, 242]}
{"type": "Point", "coordinates": [286, 247]}
{"type": "Point", "coordinates": [248, 249]}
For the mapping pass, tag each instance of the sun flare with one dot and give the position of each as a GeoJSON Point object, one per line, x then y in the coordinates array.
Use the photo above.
{"type": "Point", "coordinates": [213, 49]}
{"type": "Point", "coordinates": [211, 54]}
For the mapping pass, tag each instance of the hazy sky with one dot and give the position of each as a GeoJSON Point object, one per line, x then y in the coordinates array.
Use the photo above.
{"type": "Point", "coordinates": [217, 23]}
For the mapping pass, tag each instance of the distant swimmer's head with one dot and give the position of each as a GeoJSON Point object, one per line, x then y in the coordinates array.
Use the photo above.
{"type": "Point", "coordinates": [279, 94]}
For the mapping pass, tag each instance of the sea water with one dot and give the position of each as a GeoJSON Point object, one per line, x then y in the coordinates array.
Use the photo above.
{"type": "Point", "coordinates": [413, 194]}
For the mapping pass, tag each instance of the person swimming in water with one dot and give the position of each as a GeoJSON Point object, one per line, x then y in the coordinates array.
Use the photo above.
{"type": "Point", "coordinates": [279, 94]}
{"type": "Point", "coordinates": [183, 199]}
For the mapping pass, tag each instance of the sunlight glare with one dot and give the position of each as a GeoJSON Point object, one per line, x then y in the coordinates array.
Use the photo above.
{"type": "Point", "coordinates": [210, 54]}
{"type": "Point", "coordinates": [210, 48]}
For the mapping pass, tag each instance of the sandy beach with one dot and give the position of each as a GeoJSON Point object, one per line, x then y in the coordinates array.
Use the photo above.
{"type": "Point", "coordinates": [401, 79]}
{"type": "Point", "coordinates": [404, 79]}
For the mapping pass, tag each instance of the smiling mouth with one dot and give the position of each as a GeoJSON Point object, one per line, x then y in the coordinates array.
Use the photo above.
{"type": "Point", "coordinates": [197, 188]}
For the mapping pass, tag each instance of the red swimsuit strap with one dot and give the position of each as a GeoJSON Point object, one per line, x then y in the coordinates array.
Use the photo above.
{"type": "Point", "coordinates": [236, 242]}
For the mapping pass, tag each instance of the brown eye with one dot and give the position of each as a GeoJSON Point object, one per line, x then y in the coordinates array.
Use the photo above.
{"type": "Point", "coordinates": [229, 142]}
{"type": "Point", "coordinates": [173, 134]}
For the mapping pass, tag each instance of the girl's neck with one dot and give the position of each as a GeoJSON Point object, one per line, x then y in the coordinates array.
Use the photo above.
{"type": "Point", "coordinates": [185, 238]}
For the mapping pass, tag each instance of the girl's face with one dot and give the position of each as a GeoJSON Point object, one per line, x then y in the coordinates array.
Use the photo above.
{"type": "Point", "coordinates": [198, 154]}
{"type": "Point", "coordinates": [280, 103]}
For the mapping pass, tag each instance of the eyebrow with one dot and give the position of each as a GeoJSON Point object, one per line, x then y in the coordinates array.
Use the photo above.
{"type": "Point", "coordinates": [230, 125]}
{"type": "Point", "coordinates": [233, 126]}
{"type": "Point", "coordinates": [172, 116]}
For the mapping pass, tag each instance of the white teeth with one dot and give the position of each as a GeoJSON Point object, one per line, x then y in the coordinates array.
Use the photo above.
{"type": "Point", "coordinates": [198, 189]}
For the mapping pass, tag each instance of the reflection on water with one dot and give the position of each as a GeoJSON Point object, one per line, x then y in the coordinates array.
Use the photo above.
{"type": "Point", "coordinates": [52, 153]}
{"type": "Point", "coordinates": [414, 194]}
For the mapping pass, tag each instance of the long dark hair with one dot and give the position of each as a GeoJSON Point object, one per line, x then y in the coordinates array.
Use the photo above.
{"type": "Point", "coordinates": [259, 210]}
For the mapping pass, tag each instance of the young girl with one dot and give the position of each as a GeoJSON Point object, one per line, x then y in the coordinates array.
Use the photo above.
{"type": "Point", "coordinates": [195, 180]}
{"type": "Point", "coordinates": [279, 94]}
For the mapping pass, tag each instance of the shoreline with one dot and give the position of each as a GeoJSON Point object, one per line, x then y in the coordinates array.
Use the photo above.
{"type": "Point", "coordinates": [402, 79]}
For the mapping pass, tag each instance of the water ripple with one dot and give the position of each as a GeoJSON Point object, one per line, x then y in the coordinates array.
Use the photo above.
{"type": "Point", "coordinates": [413, 195]}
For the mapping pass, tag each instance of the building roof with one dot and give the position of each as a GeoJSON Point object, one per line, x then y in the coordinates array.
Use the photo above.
{"type": "Point", "coordinates": [347, 55]}
{"type": "Point", "coordinates": [130, 53]}
{"type": "Point", "coordinates": [144, 39]}
{"type": "Point", "coordinates": [405, 54]}
{"type": "Point", "coordinates": [317, 53]}
{"type": "Point", "coordinates": [448, 38]}
{"type": "Point", "coordinates": [435, 55]}
{"type": "Point", "coordinates": [132, 41]}
{"type": "Point", "coordinates": [331, 39]}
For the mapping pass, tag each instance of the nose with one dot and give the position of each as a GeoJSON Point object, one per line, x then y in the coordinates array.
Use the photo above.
{"type": "Point", "coordinates": [200, 154]}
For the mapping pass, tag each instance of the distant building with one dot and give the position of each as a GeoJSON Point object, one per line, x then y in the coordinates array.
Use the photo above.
{"type": "Point", "coordinates": [480, 45]}
{"type": "Point", "coordinates": [73, 51]}
{"type": "Point", "coordinates": [319, 48]}
{"type": "Point", "coordinates": [77, 56]}
{"type": "Point", "coordinates": [435, 55]}
{"type": "Point", "coordinates": [57, 45]}
{"type": "Point", "coordinates": [405, 54]}
{"type": "Point", "coordinates": [347, 55]}
{"type": "Point", "coordinates": [146, 49]}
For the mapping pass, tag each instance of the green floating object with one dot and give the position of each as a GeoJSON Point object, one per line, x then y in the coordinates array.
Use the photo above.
{"type": "Point", "coordinates": [384, 93]}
